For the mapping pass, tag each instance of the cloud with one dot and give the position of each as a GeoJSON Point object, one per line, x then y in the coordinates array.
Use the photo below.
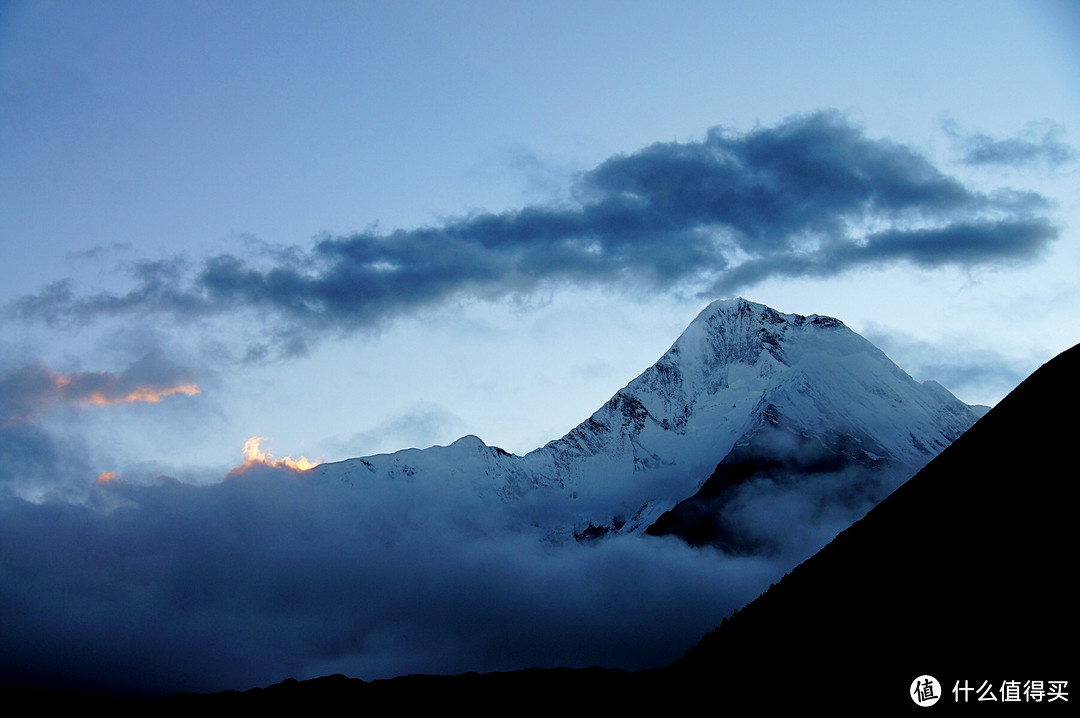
{"type": "Point", "coordinates": [275, 573]}
{"type": "Point", "coordinates": [35, 464]}
{"type": "Point", "coordinates": [40, 462]}
{"type": "Point", "coordinates": [959, 243]}
{"type": "Point", "coordinates": [28, 390]}
{"type": "Point", "coordinates": [424, 425]}
{"type": "Point", "coordinates": [256, 458]}
{"type": "Point", "coordinates": [972, 372]}
{"type": "Point", "coordinates": [812, 196]}
{"type": "Point", "coordinates": [1037, 144]}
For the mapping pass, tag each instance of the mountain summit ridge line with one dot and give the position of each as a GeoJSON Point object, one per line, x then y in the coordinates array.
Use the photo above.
{"type": "Point", "coordinates": [738, 368]}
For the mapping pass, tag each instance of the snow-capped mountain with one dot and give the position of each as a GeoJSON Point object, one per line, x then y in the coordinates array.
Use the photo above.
{"type": "Point", "coordinates": [741, 375]}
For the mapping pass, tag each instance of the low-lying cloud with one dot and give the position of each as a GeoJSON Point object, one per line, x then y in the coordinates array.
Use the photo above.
{"type": "Point", "coordinates": [812, 196]}
{"type": "Point", "coordinates": [275, 573]}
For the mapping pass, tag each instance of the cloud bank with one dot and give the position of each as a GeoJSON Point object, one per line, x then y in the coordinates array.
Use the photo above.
{"type": "Point", "coordinates": [273, 574]}
{"type": "Point", "coordinates": [810, 197]}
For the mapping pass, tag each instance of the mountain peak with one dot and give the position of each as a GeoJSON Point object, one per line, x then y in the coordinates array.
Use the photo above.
{"type": "Point", "coordinates": [740, 332]}
{"type": "Point", "coordinates": [733, 303]}
{"type": "Point", "coordinates": [735, 306]}
{"type": "Point", "coordinates": [741, 306]}
{"type": "Point", "coordinates": [738, 367]}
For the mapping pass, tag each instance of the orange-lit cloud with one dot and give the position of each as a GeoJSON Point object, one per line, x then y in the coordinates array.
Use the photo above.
{"type": "Point", "coordinates": [106, 476]}
{"type": "Point", "coordinates": [143, 393]}
{"type": "Point", "coordinates": [105, 389]}
{"type": "Point", "coordinates": [26, 391]}
{"type": "Point", "coordinates": [254, 456]}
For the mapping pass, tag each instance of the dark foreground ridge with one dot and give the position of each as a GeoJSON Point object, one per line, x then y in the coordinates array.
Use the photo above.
{"type": "Point", "coordinates": [963, 573]}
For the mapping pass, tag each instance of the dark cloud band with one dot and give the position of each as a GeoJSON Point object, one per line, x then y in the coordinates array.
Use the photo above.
{"type": "Point", "coordinates": [721, 214]}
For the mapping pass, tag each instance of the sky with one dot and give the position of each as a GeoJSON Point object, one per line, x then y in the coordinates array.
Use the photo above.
{"type": "Point", "coordinates": [352, 228]}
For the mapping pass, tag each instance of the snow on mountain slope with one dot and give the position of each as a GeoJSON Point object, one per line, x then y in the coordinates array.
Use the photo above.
{"type": "Point", "coordinates": [655, 441]}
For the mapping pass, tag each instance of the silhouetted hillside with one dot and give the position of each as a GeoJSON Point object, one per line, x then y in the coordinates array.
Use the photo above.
{"type": "Point", "coordinates": [964, 573]}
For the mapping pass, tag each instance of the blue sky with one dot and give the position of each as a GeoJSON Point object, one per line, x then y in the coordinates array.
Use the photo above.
{"type": "Point", "coordinates": [358, 227]}
{"type": "Point", "coordinates": [169, 134]}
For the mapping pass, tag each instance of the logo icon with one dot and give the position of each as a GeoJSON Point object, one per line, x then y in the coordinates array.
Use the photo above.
{"type": "Point", "coordinates": [925, 691]}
